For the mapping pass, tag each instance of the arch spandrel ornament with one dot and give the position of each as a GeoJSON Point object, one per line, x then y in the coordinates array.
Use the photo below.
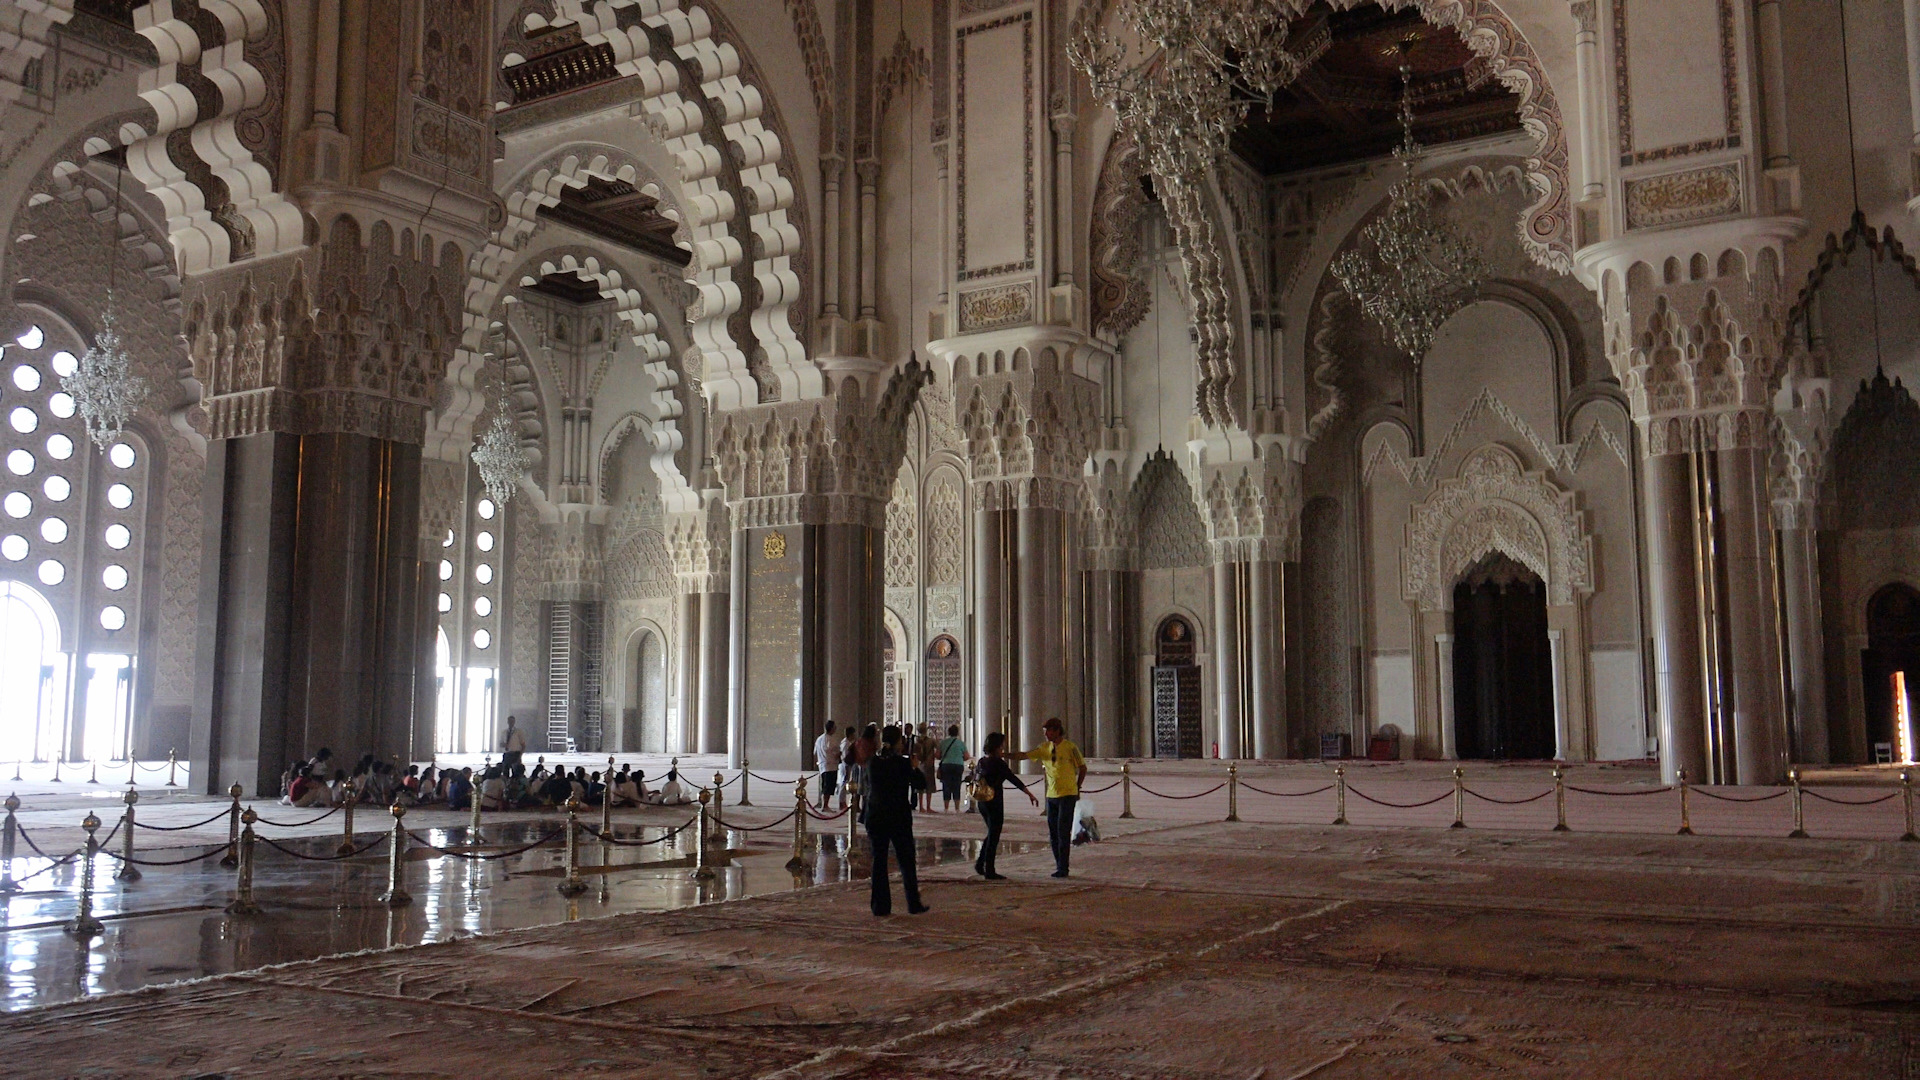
{"type": "Point", "coordinates": [1494, 504]}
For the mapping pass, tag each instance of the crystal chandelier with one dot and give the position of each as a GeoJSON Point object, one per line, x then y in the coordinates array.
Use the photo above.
{"type": "Point", "coordinates": [104, 386]}
{"type": "Point", "coordinates": [498, 455]}
{"type": "Point", "coordinates": [1201, 65]}
{"type": "Point", "coordinates": [1410, 268]}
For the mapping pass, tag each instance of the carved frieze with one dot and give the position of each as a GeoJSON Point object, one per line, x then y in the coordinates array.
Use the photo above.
{"type": "Point", "coordinates": [996, 307]}
{"type": "Point", "coordinates": [1493, 504]}
{"type": "Point", "coordinates": [1689, 195]}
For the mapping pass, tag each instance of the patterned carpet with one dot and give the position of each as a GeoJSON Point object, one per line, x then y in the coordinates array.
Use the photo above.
{"type": "Point", "coordinates": [1237, 951]}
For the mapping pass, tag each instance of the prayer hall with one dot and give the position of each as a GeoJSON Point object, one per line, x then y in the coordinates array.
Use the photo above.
{"type": "Point", "coordinates": [958, 539]}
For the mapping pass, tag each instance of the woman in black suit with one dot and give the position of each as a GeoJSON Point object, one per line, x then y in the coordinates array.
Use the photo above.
{"type": "Point", "coordinates": [994, 773]}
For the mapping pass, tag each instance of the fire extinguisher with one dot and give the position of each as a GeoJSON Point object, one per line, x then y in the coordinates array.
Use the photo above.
{"type": "Point", "coordinates": [1216, 748]}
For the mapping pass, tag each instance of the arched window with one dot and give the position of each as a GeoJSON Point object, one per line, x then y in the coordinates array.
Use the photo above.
{"type": "Point", "coordinates": [73, 528]}
{"type": "Point", "coordinates": [32, 674]}
{"type": "Point", "coordinates": [444, 727]}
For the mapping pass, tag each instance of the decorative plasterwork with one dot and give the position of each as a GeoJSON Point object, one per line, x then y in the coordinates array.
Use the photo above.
{"type": "Point", "coordinates": [26, 28]}
{"type": "Point", "coordinates": [700, 544]}
{"type": "Point", "coordinates": [346, 337]}
{"type": "Point", "coordinates": [1495, 505]}
{"type": "Point", "coordinates": [1171, 534]}
{"type": "Point", "coordinates": [771, 241]}
{"type": "Point", "coordinates": [220, 200]}
{"type": "Point", "coordinates": [827, 461]}
{"type": "Point", "coordinates": [996, 306]}
{"type": "Point", "coordinates": [1566, 459]}
{"type": "Point", "coordinates": [1623, 92]}
{"type": "Point", "coordinates": [1029, 419]}
{"type": "Point", "coordinates": [1120, 296]}
{"type": "Point", "coordinates": [819, 60]}
{"type": "Point", "coordinates": [1676, 198]}
{"type": "Point", "coordinates": [1251, 507]}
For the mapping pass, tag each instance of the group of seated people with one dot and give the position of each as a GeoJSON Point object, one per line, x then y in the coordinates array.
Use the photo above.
{"type": "Point", "coordinates": [501, 787]}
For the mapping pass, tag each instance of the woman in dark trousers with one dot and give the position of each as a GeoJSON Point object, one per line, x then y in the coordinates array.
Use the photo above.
{"type": "Point", "coordinates": [993, 772]}
{"type": "Point", "coordinates": [892, 779]}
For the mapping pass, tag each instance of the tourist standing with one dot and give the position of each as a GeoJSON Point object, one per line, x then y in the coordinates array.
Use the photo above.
{"type": "Point", "coordinates": [512, 745]}
{"type": "Point", "coordinates": [926, 751]}
{"type": "Point", "coordinates": [892, 778]}
{"type": "Point", "coordinates": [990, 790]}
{"type": "Point", "coordinates": [826, 758]}
{"type": "Point", "coordinates": [952, 755]}
{"type": "Point", "coordinates": [1066, 771]}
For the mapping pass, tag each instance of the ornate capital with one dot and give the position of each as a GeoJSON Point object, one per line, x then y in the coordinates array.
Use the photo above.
{"type": "Point", "coordinates": [700, 544]}
{"type": "Point", "coordinates": [1022, 406]}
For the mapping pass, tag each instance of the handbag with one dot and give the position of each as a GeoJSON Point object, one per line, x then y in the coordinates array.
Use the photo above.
{"type": "Point", "coordinates": [982, 791]}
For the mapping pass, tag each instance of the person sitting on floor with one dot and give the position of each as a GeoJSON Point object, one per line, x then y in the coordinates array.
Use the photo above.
{"type": "Point", "coordinates": [493, 790]}
{"type": "Point", "coordinates": [339, 791]}
{"type": "Point", "coordinates": [579, 783]}
{"type": "Point", "coordinates": [428, 790]}
{"type": "Point", "coordinates": [517, 788]}
{"type": "Point", "coordinates": [670, 793]}
{"type": "Point", "coordinates": [557, 790]}
{"type": "Point", "coordinates": [460, 790]}
{"type": "Point", "coordinates": [307, 790]}
{"type": "Point", "coordinates": [626, 789]}
{"type": "Point", "coordinates": [596, 790]}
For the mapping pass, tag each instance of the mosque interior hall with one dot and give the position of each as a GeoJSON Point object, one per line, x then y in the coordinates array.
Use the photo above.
{"type": "Point", "coordinates": [569, 531]}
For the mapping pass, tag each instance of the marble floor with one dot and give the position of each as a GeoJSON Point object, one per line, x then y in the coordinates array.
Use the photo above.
{"type": "Point", "coordinates": [1177, 950]}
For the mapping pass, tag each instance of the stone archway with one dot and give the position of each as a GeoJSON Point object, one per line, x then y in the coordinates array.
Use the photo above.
{"type": "Point", "coordinates": [1493, 506]}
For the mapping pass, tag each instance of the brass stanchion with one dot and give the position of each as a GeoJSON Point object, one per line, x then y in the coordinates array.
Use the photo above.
{"type": "Point", "coordinates": [83, 922]}
{"type": "Point", "coordinates": [93, 777]}
{"type": "Point", "coordinates": [606, 806]}
{"type": "Point", "coordinates": [473, 823]}
{"type": "Point", "coordinates": [346, 829]}
{"type": "Point", "coordinates": [57, 759]}
{"type": "Point", "coordinates": [719, 782]}
{"type": "Point", "coordinates": [1126, 789]}
{"type": "Point", "coordinates": [1560, 799]}
{"type": "Point", "coordinates": [1233, 791]}
{"type": "Point", "coordinates": [243, 881]}
{"type": "Point", "coordinates": [1906, 794]}
{"type": "Point", "coordinates": [1799, 812]}
{"type": "Point", "coordinates": [11, 828]}
{"type": "Point", "coordinates": [1339, 794]}
{"type": "Point", "coordinates": [1686, 818]}
{"type": "Point", "coordinates": [1459, 798]}
{"type": "Point", "coordinates": [128, 871]}
{"type": "Point", "coordinates": [571, 885]}
{"type": "Point", "coordinates": [16, 769]}
{"type": "Point", "coordinates": [396, 894]}
{"type": "Point", "coordinates": [173, 768]}
{"type": "Point", "coordinates": [702, 869]}
{"type": "Point", "coordinates": [746, 774]}
{"type": "Point", "coordinates": [799, 860]}
{"type": "Point", "coordinates": [853, 819]}
{"type": "Point", "coordinates": [232, 857]}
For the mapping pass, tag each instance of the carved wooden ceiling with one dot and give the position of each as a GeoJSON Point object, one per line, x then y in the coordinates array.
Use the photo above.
{"type": "Point", "coordinates": [617, 212]}
{"type": "Point", "coordinates": [1345, 107]}
{"type": "Point", "coordinates": [569, 286]}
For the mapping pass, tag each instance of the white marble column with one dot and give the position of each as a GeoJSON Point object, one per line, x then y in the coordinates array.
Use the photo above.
{"type": "Point", "coordinates": [1443, 663]}
{"type": "Point", "coordinates": [1562, 741]}
{"type": "Point", "coordinates": [1806, 645]}
{"type": "Point", "coordinates": [990, 634]}
{"type": "Point", "coordinates": [1265, 630]}
{"type": "Point", "coordinates": [686, 738]}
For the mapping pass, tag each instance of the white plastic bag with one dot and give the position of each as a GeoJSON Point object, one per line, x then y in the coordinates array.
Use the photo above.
{"type": "Point", "coordinates": [1086, 827]}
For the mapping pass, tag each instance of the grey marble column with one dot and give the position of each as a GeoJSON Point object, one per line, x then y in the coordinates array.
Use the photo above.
{"type": "Point", "coordinates": [1040, 622]}
{"type": "Point", "coordinates": [736, 666]}
{"type": "Point", "coordinates": [1806, 645]}
{"type": "Point", "coordinates": [1226, 648]}
{"type": "Point", "coordinates": [686, 674]}
{"type": "Point", "coordinates": [716, 639]}
{"type": "Point", "coordinates": [1754, 661]}
{"type": "Point", "coordinates": [850, 615]}
{"type": "Point", "coordinates": [991, 636]}
{"type": "Point", "coordinates": [1112, 603]}
{"type": "Point", "coordinates": [1675, 609]}
{"type": "Point", "coordinates": [1265, 620]}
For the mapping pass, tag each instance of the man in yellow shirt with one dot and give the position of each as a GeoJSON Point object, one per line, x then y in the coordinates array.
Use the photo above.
{"type": "Point", "coordinates": [1066, 770]}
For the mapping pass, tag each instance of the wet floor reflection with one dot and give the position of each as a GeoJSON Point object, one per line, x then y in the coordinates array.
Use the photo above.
{"type": "Point", "coordinates": [171, 925]}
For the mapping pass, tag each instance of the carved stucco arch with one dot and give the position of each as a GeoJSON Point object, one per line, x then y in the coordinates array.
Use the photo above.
{"type": "Point", "coordinates": [1494, 504]}
{"type": "Point", "coordinates": [200, 240]}
{"type": "Point", "coordinates": [770, 242]}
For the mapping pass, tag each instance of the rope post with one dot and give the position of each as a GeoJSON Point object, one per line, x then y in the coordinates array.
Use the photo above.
{"type": "Point", "coordinates": [746, 774]}
{"type": "Point", "coordinates": [56, 766]}
{"type": "Point", "coordinates": [1799, 810]}
{"type": "Point", "coordinates": [473, 824]}
{"type": "Point", "coordinates": [243, 881]}
{"type": "Point", "coordinates": [396, 894]}
{"type": "Point", "coordinates": [1686, 818]}
{"type": "Point", "coordinates": [16, 769]}
{"type": "Point", "coordinates": [1560, 799]}
{"type": "Point", "coordinates": [12, 828]}
{"type": "Point", "coordinates": [799, 860]}
{"type": "Point", "coordinates": [1233, 791]}
{"type": "Point", "coordinates": [84, 924]}
{"type": "Point", "coordinates": [173, 768]}
{"type": "Point", "coordinates": [853, 819]}
{"type": "Point", "coordinates": [346, 838]}
{"type": "Point", "coordinates": [128, 871]}
{"type": "Point", "coordinates": [1459, 798]}
{"type": "Point", "coordinates": [606, 803]}
{"type": "Point", "coordinates": [1126, 789]}
{"type": "Point", "coordinates": [232, 857]}
{"type": "Point", "coordinates": [94, 776]}
{"type": "Point", "coordinates": [571, 885]}
{"type": "Point", "coordinates": [1339, 794]}
{"type": "Point", "coordinates": [702, 871]}
{"type": "Point", "coordinates": [1906, 793]}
